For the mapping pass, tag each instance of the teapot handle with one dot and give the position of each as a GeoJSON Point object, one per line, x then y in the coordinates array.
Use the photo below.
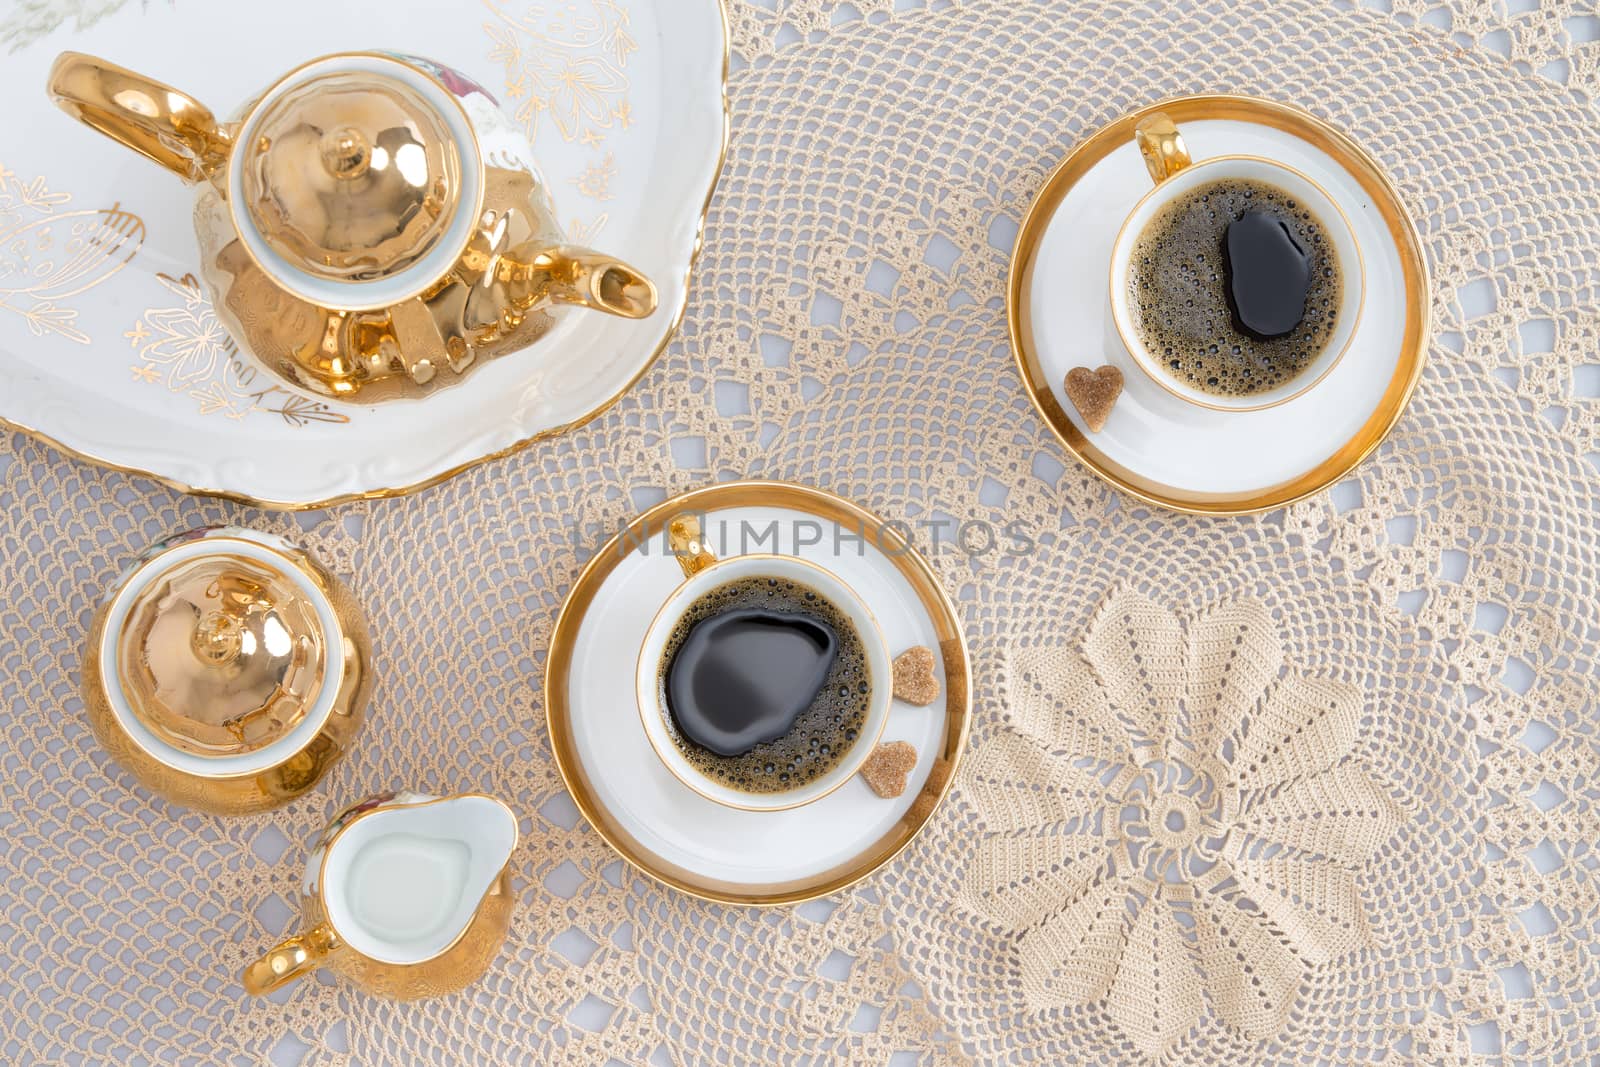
{"type": "Point", "coordinates": [289, 961]}
{"type": "Point", "coordinates": [153, 119]}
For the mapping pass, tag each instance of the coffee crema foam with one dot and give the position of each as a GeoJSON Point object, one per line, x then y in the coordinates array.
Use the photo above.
{"type": "Point", "coordinates": [822, 734]}
{"type": "Point", "coordinates": [1178, 291]}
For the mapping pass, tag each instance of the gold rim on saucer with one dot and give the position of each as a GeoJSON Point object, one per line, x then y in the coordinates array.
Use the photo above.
{"type": "Point", "coordinates": [957, 688]}
{"type": "Point", "coordinates": [1385, 199]}
{"type": "Point", "coordinates": [384, 493]}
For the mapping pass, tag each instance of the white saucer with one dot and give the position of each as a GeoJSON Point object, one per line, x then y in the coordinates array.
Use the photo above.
{"type": "Point", "coordinates": [1154, 444]}
{"type": "Point", "coordinates": [667, 829]}
{"type": "Point", "coordinates": [119, 359]}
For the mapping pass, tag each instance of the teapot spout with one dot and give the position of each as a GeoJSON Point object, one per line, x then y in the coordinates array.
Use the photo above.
{"type": "Point", "coordinates": [593, 280]}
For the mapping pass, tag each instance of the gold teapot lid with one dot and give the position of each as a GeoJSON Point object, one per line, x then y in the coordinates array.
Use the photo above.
{"type": "Point", "coordinates": [351, 175]}
{"type": "Point", "coordinates": [221, 655]}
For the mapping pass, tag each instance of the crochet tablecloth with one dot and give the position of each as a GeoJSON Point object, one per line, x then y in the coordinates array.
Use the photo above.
{"type": "Point", "coordinates": [1317, 786]}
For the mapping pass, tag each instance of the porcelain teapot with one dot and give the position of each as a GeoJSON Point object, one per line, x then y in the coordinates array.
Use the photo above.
{"type": "Point", "coordinates": [227, 670]}
{"type": "Point", "coordinates": [405, 894]}
{"type": "Point", "coordinates": [371, 223]}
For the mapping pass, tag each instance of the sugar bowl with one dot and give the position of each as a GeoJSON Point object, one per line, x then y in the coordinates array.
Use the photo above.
{"type": "Point", "coordinates": [227, 670]}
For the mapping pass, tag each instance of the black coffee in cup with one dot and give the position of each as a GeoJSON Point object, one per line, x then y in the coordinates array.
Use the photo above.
{"type": "Point", "coordinates": [765, 683]}
{"type": "Point", "coordinates": [1235, 287]}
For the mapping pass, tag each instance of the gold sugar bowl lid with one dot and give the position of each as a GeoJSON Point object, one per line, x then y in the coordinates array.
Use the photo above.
{"type": "Point", "coordinates": [221, 655]}
{"type": "Point", "coordinates": [227, 670]}
{"type": "Point", "coordinates": [351, 175]}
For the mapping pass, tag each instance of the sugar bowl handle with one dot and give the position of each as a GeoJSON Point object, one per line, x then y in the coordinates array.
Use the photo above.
{"type": "Point", "coordinates": [153, 119]}
{"type": "Point", "coordinates": [289, 961]}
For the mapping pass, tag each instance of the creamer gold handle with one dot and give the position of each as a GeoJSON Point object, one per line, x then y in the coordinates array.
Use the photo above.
{"type": "Point", "coordinates": [288, 961]}
{"type": "Point", "coordinates": [1161, 145]}
{"type": "Point", "coordinates": [153, 119]}
{"type": "Point", "coordinates": [688, 545]}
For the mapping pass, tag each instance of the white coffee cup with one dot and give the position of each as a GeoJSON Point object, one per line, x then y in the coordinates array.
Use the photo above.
{"type": "Point", "coordinates": [1175, 176]}
{"type": "Point", "coordinates": [703, 573]}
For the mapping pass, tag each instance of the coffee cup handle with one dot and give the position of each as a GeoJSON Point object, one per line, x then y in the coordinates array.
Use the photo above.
{"type": "Point", "coordinates": [688, 545]}
{"type": "Point", "coordinates": [1161, 145]}
{"type": "Point", "coordinates": [288, 961]}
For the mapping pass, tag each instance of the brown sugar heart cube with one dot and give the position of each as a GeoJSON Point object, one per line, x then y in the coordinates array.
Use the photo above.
{"type": "Point", "coordinates": [887, 767]}
{"type": "Point", "coordinates": [1094, 393]}
{"type": "Point", "coordinates": [914, 680]}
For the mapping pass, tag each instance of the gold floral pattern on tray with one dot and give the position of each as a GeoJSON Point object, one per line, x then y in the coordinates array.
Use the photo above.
{"type": "Point", "coordinates": [1175, 816]}
{"type": "Point", "coordinates": [49, 255]}
{"type": "Point", "coordinates": [565, 61]}
{"type": "Point", "coordinates": [34, 19]}
{"type": "Point", "coordinates": [566, 67]}
{"type": "Point", "coordinates": [595, 181]}
{"type": "Point", "coordinates": [580, 232]}
{"type": "Point", "coordinates": [185, 348]}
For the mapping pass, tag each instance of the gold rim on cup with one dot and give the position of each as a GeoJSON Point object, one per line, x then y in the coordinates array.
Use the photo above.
{"type": "Point", "coordinates": [859, 750]}
{"type": "Point", "coordinates": [1141, 355]}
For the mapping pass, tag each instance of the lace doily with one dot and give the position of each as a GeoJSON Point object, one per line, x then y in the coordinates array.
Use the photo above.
{"type": "Point", "coordinates": [1177, 815]}
{"type": "Point", "coordinates": [1413, 879]}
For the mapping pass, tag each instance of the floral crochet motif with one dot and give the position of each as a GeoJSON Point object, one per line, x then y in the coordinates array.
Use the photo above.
{"type": "Point", "coordinates": [1175, 817]}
